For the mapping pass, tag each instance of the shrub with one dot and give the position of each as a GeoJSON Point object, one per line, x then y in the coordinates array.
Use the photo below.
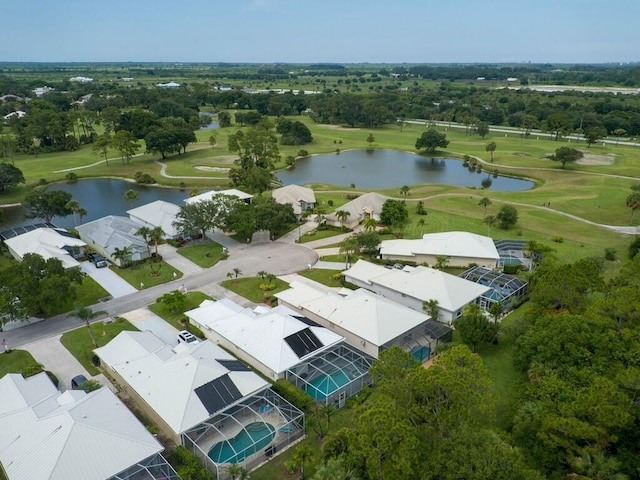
{"type": "Point", "coordinates": [511, 269]}
{"type": "Point", "coordinates": [43, 181]}
{"type": "Point", "coordinates": [144, 178]}
{"type": "Point", "coordinates": [290, 392]}
{"type": "Point", "coordinates": [359, 398]}
{"type": "Point", "coordinates": [610, 254]}
{"type": "Point", "coordinates": [71, 177]}
{"type": "Point", "coordinates": [265, 287]}
{"type": "Point", "coordinates": [32, 370]}
{"type": "Point", "coordinates": [330, 202]}
{"type": "Point", "coordinates": [557, 239]}
{"type": "Point", "coordinates": [52, 377]}
{"type": "Point", "coordinates": [290, 160]}
{"type": "Point", "coordinates": [187, 465]}
{"type": "Point", "coordinates": [303, 153]}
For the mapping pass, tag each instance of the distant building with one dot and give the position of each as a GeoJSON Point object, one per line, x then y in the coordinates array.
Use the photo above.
{"type": "Point", "coordinates": [81, 79]}
{"type": "Point", "coordinates": [168, 85]}
{"type": "Point", "coordinates": [301, 198]}
{"type": "Point", "coordinates": [157, 214]}
{"type": "Point", "coordinates": [40, 91]}
{"type": "Point", "coordinates": [17, 114]}
{"type": "Point", "coordinates": [48, 243]}
{"type": "Point", "coordinates": [365, 206]}
{"type": "Point", "coordinates": [232, 192]}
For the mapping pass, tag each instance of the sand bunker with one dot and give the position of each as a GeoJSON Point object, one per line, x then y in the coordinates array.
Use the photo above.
{"type": "Point", "coordinates": [337, 127]}
{"type": "Point", "coordinates": [211, 169]}
{"type": "Point", "coordinates": [595, 159]}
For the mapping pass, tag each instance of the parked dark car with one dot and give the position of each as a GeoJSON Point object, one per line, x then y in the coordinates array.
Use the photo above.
{"type": "Point", "coordinates": [98, 260]}
{"type": "Point", "coordinates": [78, 381]}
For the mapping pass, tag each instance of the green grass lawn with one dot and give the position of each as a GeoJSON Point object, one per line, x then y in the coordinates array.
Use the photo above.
{"type": "Point", "coordinates": [194, 299]}
{"type": "Point", "coordinates": [78, 341]}
{"type": "Point", "coordinates": [142, 273]}
{"type": "Point", "coordinates": [320, 275]}
{"type": "Point", "coordinates": [16, 361]}
{"type": "Point", "coordinates": [319, 234]}
{"type": "Point", "coordinates": [249, 288]}
{"type": "Point", "coordinates": [205, 255]}
{"type": "Point", "coordinates": [89, 293]}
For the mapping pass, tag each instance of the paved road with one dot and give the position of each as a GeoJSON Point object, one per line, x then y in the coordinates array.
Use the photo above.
{"type": "Point", "coordinates": [278, 258]}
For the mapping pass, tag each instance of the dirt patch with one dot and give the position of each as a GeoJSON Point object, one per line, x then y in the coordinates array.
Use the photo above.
{"type": "Point", "coordinates": [520, 154]}
{"type": "Point", "coordinates": [595, 159]}
{"type": "Point", "coordinates": [337, 127]}
{"type": "Point", "coordinates": [211, 169]}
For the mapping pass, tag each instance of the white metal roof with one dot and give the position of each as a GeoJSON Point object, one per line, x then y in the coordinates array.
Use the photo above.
{"type": "Point", "coordinates": [232, 192]}
{"type": "Point", "coordinates": [294, 194]}
{"type": "Point", "coordinates": [450, 244]}
{"type": "Point", "coordinates": [166, 379]}
{"type": "Point", "coordinates": [365, 314]}
{"type": "Point", "coordinates": [46, 242]}
{"type": "Point", "coordinates": [300, 293]}
{"type": "Point", "coordinates": [261, 335]}
{"type": "Point", "coordinates": [423, 283]}
{"type": "Point", "coordinates": [48, 435]}
{"type": "Point", "coordinates": [113, 232]}
{"type": "Point", "coordinates": [158, 214]}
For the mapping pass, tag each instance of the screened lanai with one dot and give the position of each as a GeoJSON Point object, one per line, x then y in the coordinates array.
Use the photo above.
{"type": "Point", "coordinates": [153, 468]}
{"type": "Point", "coordinates": [334, 375]}
{"type": "Point", "coordinates": [246, 433]}
{"type": "Point", "coordinates": [421, 342]}
{"type": "Point", "coordinates": [504, 288]}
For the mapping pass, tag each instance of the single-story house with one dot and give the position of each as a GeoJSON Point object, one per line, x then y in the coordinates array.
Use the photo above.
{"type": "Point", "coordinates": [302, 198]}
{"type": "Point", "coordinates": [412, 287]}
{"type": "Point", "coordinates": [157, 214]}
{"type": "Point", "coordinates": [232, 192]}
{"type": "Point", "coordinates": [17, 114]}
{"type": "Point", "coordinates": [48, 243]}
{"type": "Point", "coordinates": [112, 232]}
{"type": "Point", "coordinates": [460, 249]}
{"type": "Point", "coordinates": [202, 397]}
{"type": "Point", "coordinates": [49, 435]}
{"type": "Point", "coordinates": [368, 321]}
{"type": "Point", "coordinates": [365, 206]}
{"type": "Point", "coordinates": [168, 85]}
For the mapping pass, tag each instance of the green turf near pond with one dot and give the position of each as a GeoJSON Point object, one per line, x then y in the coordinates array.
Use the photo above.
{"type": "Point", "coordinates": [79, 343]}
{"type": "Point", "coordinates": [249, 288]}
{"type": "Point", "coordinates": [205, 255]}
{"type": "Point", "coordinates": [141, 275]}
{"type": "Point", "coordinates": [194, 299]}
{"type": "Point", "coordinates": [16, 361]}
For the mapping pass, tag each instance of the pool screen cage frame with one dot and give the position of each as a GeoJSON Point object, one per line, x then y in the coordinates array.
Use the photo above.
{"type": "Point", "coordinates": [155, 467]}
{"type": "Point", "coordinates": [253, 409]}
{"type": "Point", "coordinates": [505, 288]}
{"type": "Point", "coordinates": [341, 357]}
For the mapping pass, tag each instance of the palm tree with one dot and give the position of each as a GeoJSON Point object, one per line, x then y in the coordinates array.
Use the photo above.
{"type": "Point", "coordinates": [349, 246]}
{"type": "Point", "coordinates": [301, 455]}
{"type": "Point", "coordinates": [421, 224]}
{"type": "Point", "coordinates": [229, 274]}
{"type": "Point", "coordinates": [431, 308]}
{"type": "Point", "coordinates": [342, 215]}
{"type": "Point", "coordinates": [633, 202]}
{"type": "Point", "coordinates": [130, 196]}
{"type": "Point", "coordinates": [491, 147]}
{"type": "Point", "coordinates": [404, 190]}
{"type": "Point", "coordinates": [491, 221]}
{"type": "Point", "coordinates": [82, 213]}
{"type": "Point", "coordinates": [262, 274]}
{"type": "Point", "coordinates": [237, 472]}
{"type": "Point", "coordinates": [155, 236]}
{"type": "Point", "coordinates": [145, 233]}
{"type": "Point", "coordinates": [369, 224]}
{"type": "Point", "coordinates": [74, 206]}
{"type": "Point", "coordinates": [319, 212]}
{"type": "Point", "coordinates": [484, 203]}
{"type": "Point", "coordinates": [123, 254]}
{"type": "Point", "coordinates": [371, 139]}
{"type": "Point", "coordinates": [442, 261]}
{"type": "Point", "coordinates": [86, 315]}
{"type": "Point", "coordinates": [237, 272]}
{"type": "Point", "coordinates": [335, 469]}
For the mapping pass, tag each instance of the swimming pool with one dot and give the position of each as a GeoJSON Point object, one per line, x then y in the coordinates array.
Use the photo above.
{"type": "Point", "coordinates": [510, 261]}
{"type": "Point", "coordinates": [327, 384]}
{"type": "Point", "coordinates": [254, 437]}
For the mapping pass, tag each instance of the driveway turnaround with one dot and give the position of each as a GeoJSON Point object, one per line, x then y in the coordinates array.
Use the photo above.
{"type": "Point", "coordinates": [145, 320]}
{"type": "Point", "coordinates": [109, 280]}
{"type": "Point", "coordinates": [56, 358]}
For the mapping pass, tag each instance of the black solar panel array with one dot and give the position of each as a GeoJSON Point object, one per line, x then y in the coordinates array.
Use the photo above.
{"type": "Point", "coordinates": [218, 394]}
{"type": "Point", "coordinates": [234, 365]}
{"type": "Point", "coordinates": [306, 321]}
{"type": "Point", "coordinates": [303, 342]}
{"type": "Point", "coordinates": [14, 232]}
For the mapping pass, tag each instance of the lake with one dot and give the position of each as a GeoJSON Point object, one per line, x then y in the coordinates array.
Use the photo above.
{"type": "Point", "coordinates": [393, 168]}
{"type": "Point", "coordinates": [99, 197]}
{"type": "Point", "coordinates": [212, 124]}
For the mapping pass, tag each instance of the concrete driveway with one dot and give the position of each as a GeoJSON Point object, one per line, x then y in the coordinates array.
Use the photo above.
{"type": "Point", "coordinates": [57, 359]}
{"type": "Point", "coordinates": [109, 280]}
{"type": "Point", "coordinates": [145, 320]}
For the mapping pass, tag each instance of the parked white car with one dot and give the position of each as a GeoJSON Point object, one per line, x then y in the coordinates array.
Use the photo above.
{"type": "Point", "coordinates": [187, 337]}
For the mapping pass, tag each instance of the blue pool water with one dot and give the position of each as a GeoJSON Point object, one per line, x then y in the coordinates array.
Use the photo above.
{"type": "Point", "coordinates": [326, 385]}
{"type": "Point", "coordinates": [420, 353]}
{"type": "Point", "coordinates": [253, 438]}
{"type": "Point", "coordinates": [510, 261]}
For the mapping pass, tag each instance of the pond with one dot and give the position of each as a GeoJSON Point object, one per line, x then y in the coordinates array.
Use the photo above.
{"type": "Point", "coordinates": [99, 197]}
{"type": "Point", "coordinates": [375, 168]}
{"type": "Point", "coordinates": [212, 124]}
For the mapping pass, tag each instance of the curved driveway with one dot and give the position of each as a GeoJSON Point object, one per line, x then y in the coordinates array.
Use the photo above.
{"type": "Point", "coordinates": [275, 257]}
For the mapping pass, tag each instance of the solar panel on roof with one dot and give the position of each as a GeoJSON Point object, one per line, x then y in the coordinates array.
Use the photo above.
{"type": "Point", "coordinates": [14, 232]}
{"type": "Point", "coordinates": [303, 342]}
{"type": "Point", "coordinates": [234, 365]}
{"type": "Point", "coordinates": [306, 321]}
{"type": "Point", "coordinates": [218, 394]}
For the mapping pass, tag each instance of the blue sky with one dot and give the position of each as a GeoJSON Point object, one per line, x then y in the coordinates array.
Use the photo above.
{"type": "Point", "coordinates": [347, 31]}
